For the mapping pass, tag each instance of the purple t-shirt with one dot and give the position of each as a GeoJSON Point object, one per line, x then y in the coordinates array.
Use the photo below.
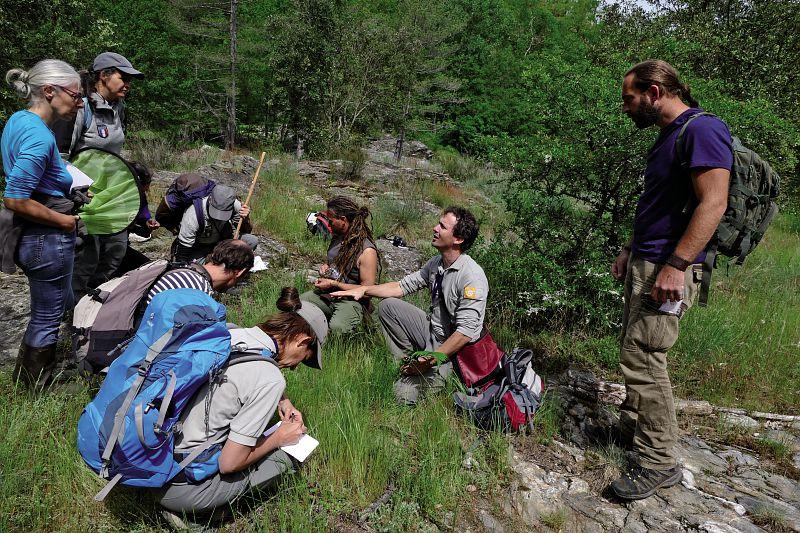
{"type": "Point", "coordinates": [668, 200]}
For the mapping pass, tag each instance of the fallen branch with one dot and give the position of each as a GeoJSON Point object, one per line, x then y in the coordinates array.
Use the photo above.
{"type": "Point", "coordinates": [377, 504]}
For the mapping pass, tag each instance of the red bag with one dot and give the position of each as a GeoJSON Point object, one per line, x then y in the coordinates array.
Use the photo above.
{"type": "Point", "coordinates": [477, 363]}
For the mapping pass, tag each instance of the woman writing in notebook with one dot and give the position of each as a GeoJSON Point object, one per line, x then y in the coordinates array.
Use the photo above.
{"type": "Point", "coordinates": [235, 408]}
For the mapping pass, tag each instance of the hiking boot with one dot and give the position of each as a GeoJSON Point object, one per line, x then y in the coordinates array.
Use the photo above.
{"type": "Point", "coordinates": [34, 367]}
{"type": "Point", "coordinates": [639, 482]}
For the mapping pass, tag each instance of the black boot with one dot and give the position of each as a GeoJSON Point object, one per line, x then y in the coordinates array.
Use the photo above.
{"type": "Point", "coordinates": [34, 367]}
{"type": "Point", "coordinates": [639, 482]}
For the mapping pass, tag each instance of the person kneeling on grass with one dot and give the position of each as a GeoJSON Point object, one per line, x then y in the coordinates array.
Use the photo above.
{"type": "Point", "coordinates": [238, 407]}
{"type": "Point", "coordinates": [459, 290]}
{"type": "Point", "coordinates": [352, 261]}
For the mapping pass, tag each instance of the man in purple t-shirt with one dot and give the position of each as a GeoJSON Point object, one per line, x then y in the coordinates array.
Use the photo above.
{"type": "Point", "coordinates": [683, 201]}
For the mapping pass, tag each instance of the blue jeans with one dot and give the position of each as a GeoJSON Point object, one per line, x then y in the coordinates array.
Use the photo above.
{"type": "Point", "coordinates": [46, 257]}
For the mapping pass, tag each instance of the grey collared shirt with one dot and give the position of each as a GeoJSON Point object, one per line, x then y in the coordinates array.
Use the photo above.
{"type": "Point", "coordinates": [458, 296]}
{"type": "Point", "coordinates": [105, 128]}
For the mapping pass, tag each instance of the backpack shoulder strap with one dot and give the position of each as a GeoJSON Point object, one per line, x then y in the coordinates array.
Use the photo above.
{"type": "Point", "coordinates": [680, 150]}
{"type": "Point", "coordinates": [200, 214]}
{"type": "Point", "coordinates": [246, 357]}
{"type": "Point", "coordinates": [82, 122]}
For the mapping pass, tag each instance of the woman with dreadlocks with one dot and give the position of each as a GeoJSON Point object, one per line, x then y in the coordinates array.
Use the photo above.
{"type": "Point", "coordinates": [352, 261]}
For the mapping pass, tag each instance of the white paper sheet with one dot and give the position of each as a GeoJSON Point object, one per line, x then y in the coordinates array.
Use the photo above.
{"type": "Point", "coordinates": [259, 264]}
{"type": "Point", "coordinates": [79, 179]}
{"type": "Point", "coordinates": [299, 451]}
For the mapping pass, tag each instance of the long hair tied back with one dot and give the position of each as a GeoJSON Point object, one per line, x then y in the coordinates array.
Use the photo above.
{"type": "Point", "coordinates": [287, 324]}
{"type": "Point", "coordinates": [360, 231]}
{"type": "Point", "coordinates": [659, 72]}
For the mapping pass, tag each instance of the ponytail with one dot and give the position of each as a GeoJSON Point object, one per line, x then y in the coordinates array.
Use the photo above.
{"type": "Point", "coordinates": [287, 324]}
{"type": "Point", "coordinates": [665, 76]}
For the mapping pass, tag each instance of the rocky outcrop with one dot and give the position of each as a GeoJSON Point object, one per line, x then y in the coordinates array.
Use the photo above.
{"type": "Point", "coordinates": [725, 488]}
{"type": "Point", "coordinates": [14, 313]}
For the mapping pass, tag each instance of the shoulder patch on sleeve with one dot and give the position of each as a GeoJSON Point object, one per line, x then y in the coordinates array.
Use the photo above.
{"type": "Point", "coordinates": [470, 293]}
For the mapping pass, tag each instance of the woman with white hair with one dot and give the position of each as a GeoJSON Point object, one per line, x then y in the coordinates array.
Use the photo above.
{"type": "Point", "coordinates": [38, 227]}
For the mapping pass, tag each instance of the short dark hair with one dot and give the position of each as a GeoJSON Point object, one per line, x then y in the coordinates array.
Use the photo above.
{"type": "Point", "coordinates": [232, 254]}
{"type": "Point", "coordinates": [143, 173]}
{"type": "Point", "coordinates": [466, 226]}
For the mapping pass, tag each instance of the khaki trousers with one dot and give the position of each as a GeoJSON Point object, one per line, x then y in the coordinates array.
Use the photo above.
{"type": "Point", "coordinates": [648, 413]}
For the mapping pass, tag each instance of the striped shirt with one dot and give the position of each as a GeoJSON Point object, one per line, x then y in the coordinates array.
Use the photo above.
{"type": "Point", "coordinates": [180, 279]}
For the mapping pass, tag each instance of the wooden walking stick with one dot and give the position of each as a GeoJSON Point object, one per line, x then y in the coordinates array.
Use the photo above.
{"type": "Point", "coordinates": [250, 194]}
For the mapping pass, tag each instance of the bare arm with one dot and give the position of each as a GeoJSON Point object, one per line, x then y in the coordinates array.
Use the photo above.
{"type": "Point", "coordinates": [711, 189]}
{"type": "Point", "coordinates": [453, 344]}
{"type": "Point", "coordinates": [36, 212]}
{"type": "Point", "coordinates": [236, 457]}
{"type": "Point", "coordinates": [384, 290]}
{"type": "Point", "coordinates": [367, 271]}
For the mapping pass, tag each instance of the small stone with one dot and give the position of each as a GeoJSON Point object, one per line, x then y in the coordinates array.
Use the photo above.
{"type": "Point", "coordinates": [471, 488]}
{"type": "Point", "coordinates": [737, 420]}
{"type": "Point", "coordinates": [796, 460]}
{"type": "Point", "coordinates": [469, 462]}
{"type": "Point", "coordinates": [578, 486]}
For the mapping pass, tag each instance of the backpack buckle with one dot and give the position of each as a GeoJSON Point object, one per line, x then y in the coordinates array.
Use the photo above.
{"type": "Point", "coordinates": [144, 368]}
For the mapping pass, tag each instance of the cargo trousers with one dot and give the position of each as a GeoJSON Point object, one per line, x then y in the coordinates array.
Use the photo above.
{"type": "Point", "coordinates": [648, 412]}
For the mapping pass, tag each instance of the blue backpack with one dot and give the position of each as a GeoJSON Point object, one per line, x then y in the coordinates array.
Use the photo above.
{"type": "Point", "coordinates": [126, 434]}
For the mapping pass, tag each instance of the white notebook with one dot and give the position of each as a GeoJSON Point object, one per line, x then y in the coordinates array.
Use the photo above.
{"type": "Point", "coordinates": [299, 451]}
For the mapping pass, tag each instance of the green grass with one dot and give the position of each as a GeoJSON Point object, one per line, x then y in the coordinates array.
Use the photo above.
{"type": "Point", "coordinates": [743, 350]}
{"type": "Point", "coordinates": [368, 445]}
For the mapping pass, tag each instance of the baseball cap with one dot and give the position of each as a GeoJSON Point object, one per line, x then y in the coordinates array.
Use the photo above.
{"type": "Point", "coordinates": [319, 325]}
{"type": "Point", "coordinates": [220, 202]}
{"type": "Point", "coordinates": [117, 61]}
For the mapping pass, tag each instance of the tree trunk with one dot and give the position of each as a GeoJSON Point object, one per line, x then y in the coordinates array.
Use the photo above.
{"type": "Point", "coordinates": [230, 104]}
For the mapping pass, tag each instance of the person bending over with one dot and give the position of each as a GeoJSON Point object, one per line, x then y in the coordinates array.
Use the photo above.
{"type": "Point", "coordinates": [352, 261]}
{"type": "Point", "coordinates": [225, 266]}
{"type": "Point", "coordinates": [458, 288]}
{"type": "Point", "coordinates": [238, 407]}
{"type": "Point", "coordinates": [222, 212]}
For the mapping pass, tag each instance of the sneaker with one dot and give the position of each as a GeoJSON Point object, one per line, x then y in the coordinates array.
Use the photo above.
{"type": "Point", "coordinates": [639, 482]}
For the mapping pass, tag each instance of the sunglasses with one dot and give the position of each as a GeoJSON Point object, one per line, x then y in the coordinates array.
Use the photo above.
{"type": "Point", "coordinates": [76, 96]}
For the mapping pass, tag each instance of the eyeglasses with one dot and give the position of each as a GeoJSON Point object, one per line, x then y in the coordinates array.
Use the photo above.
{"type": "Point", "coordinates": [76, 96]}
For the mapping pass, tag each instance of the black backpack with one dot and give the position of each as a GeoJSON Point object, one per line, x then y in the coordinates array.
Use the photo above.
{"type": "Point", "coordinates": [751, 206]}
{"type": "Point", "coordinates": [507, 405]}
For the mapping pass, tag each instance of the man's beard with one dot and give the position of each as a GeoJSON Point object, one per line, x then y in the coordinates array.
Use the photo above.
{"type": "Point", "coordinates": [646, 116]}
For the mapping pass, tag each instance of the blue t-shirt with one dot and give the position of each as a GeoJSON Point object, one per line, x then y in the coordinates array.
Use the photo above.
{"type": "Point", "coordinates": [30, 158]}
{"type": "Point", "coordinates": [668, 201]}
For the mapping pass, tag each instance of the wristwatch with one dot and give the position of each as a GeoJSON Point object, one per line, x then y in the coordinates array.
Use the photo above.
{"type": "Point", "coordinates": [678, 262]}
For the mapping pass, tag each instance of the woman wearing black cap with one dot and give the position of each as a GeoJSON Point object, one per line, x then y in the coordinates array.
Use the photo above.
{"type": "Point", "coordinates": [236, 409]}
{"type": "Point", "coordinates": [101, 125]}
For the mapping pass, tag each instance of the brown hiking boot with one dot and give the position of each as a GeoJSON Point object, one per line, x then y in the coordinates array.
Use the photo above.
{"type": "Point", "coordinates": [639, 482]}
{"type": "Point", "coordinates": [34, 367]}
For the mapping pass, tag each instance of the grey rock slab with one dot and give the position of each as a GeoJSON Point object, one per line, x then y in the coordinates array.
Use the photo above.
{"type": "Point", "coordinates": [738, 457]}
{"type": "Point", "coordinates": [739, 421]}
{"type": "Point", "coordinates": [14, 313]}
{"type": "Point", "coordinates": [398, 261]}
{"type": "Point", "coordinates": [490, 522]}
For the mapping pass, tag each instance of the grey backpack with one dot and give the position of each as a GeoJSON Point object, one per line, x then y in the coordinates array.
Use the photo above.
{"type": "Point", "coordinates": [751, 205]}
{"type": "Point", "coordinates": [108, 315]}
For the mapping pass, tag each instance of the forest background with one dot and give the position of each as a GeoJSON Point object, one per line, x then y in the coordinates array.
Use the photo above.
{"type": "Point", "coordinates": [520, 100]}
{"type": "Point", "coordinates": [528, 87]}
{"type": "Point", "coordinates": [531, 87]}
